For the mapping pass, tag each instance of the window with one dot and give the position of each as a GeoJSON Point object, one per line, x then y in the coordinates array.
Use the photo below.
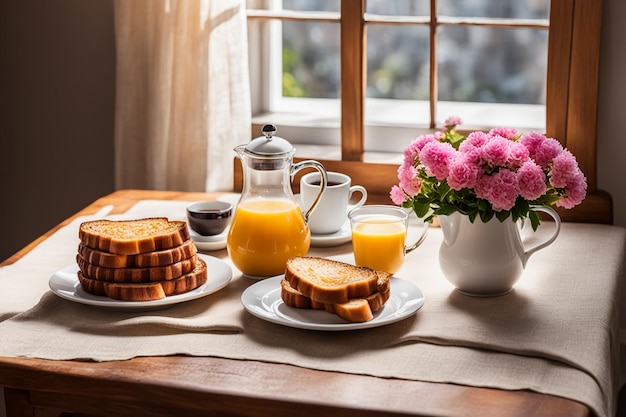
{"type": "Point", "coordinates": [354, 113]}
{"type": "Point", "coordinates": [402, 39]}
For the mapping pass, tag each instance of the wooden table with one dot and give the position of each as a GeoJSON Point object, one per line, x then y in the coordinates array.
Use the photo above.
{"type": "Point", "coordinates": [190, 386]}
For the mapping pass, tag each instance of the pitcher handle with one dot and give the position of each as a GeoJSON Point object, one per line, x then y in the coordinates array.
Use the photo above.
{"type": "Point", "coordinates": [323, 181]}
{"type": "Point", "coordinates": [557, 222]}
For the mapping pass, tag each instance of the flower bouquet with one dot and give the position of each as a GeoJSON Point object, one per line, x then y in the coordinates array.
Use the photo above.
{"type": "Point", "coordinates": [499, 173]}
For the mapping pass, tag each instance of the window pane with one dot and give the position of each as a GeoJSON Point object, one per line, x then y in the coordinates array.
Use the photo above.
{"type": "Point", "coordinates": [398, 62]}
{"type": "Point", "coordinates": [311, 57]}
{"type": "Point", "coordinates": [492, 65]}
{"type": "Point", "coordinates": [521, 9]}
{"type": "Point", "coordinates": [312, 5]}
{"type": "Point", "coordinates": [399, 7]}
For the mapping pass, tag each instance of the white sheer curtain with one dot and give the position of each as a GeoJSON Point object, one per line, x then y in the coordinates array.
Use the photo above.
{"type": "Point", "coordinates": [183, 96]}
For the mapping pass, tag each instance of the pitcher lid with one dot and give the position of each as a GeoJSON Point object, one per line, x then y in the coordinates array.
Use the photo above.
{"type": "Point", "coordinates": [268, 144]}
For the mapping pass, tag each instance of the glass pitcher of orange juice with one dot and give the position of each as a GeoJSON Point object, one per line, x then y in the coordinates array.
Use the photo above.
{"type": "Point", "coordinates": [268, 226]}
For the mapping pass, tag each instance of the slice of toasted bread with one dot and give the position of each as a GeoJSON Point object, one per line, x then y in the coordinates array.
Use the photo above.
{"type": "Point", "coordinates": [359, 310]}
{"type": "Point", "coordinates": [146, 291]}
{"type": "Point", "coordinates": [356, 310]}
{"type": "Point", "coordinates": [143, 260]}
{"type": "Point", "coordinates": [376, 300]}
{"type": "Point", "coordinates": [129, 237]}
{"type": "Point", "coordinates": [329, 281]}
{"type": "Point", "coordinates": [294, 298]}
{"type": "Point", "coordinates": [156, 273]}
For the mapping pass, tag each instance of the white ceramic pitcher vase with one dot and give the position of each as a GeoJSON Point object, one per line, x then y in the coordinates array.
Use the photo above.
{"type": "Point", "coordinates": [487, 259]}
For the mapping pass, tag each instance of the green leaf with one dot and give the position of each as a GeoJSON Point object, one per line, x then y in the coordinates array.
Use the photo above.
{"type": "Point", "coordinates": [421, 200]}
{"type": "Point", "coordinates": [445, 210]}
{"type": "Point", "coordinates": [503, 215]}
{"type": "Point", "coordinates": [421, 210]}
{"type": "Point", "coordinates": [485, 216]}
{"type": "Point", "coordinates": [442, 191]}
{"type": "Point", "coordinates": [454, 138]}
{"type": "Point", "coordinates": [520, 209]}
{"type": "Point", "coordinates": [535, 219]}
{"type": "Point", "coordinates": [483, 205]}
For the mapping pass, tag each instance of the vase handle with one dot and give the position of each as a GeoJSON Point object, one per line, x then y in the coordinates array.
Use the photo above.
{"type": "Point", "coordinates": [557, 223]}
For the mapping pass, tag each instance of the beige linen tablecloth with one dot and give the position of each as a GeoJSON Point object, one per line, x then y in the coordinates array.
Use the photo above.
{"type": "Point", "coordinates": [556, 333]}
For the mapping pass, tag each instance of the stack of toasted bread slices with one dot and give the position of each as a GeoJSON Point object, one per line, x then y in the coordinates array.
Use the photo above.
{"type": "Point", "coordinates": [138, 260]}
{"type": "Point", "coordinates": [351, 292]}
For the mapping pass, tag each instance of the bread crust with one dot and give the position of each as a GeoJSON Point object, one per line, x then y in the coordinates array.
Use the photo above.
{"type": "Point", "coordinates": [146, 291]}
{"type": "Point", "coordinates": [129, 237]}
{"type": "Point", "coordinates": [329, 281]}
{"type": "Point", "coordinates": [142, 260]}
{"type": "Point", "coordinates": [360, 310]}
{"type": "Point", "coordinates": [356, 310]}
{"type": "Point", "coordinates": [137, 275]}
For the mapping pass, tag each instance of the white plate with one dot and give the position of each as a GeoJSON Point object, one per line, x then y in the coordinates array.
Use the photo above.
{"type": "Point", "coordinates": [64, 283]}
{"type": "Point", "coordinates": [262, 300]}
{"type": "Point", "coordinates": [343, 235]}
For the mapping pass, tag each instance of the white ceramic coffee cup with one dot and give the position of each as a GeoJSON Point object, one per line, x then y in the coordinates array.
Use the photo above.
{"type": "Point", "coordinates": [332, 211]}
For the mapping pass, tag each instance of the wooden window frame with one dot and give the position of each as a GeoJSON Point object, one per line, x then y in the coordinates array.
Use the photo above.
{"type": "Point", "coordinates": [571, 98]}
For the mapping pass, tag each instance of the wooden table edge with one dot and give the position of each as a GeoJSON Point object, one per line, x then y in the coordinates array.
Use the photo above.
{"type": "Point", "coordinates": [37, 381]}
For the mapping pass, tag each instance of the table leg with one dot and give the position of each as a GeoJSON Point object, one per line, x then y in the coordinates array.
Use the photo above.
{"type": "Point", "coordinates": [18, 404]}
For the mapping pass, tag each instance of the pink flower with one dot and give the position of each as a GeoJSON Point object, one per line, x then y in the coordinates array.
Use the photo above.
{"type": "Point", "coordinates": [518, 155]}
{"type": "Point", "coordinates": [564, 169]}
{"type": "Point", "coordinates": [474, 140]}
{"type": "Point", "coordinates": [464, 172]}
{"type": "Point", "coordinates": [575, 192]}
{"type": "Point", "coordinates": [453, 121]}
{"type": "Point", "coordinates": [411, 153]}
{"type": "Point", "coordinates": [436, 156]}
{"type": "Point", "coordinates": [548, 150]}
{"type": "Point", "coordinates": [532, 141]}
{"type": "Point", "coordinates": [397, 195]}
{"type": "Point", "coordinates": [483, 187]}
{"type": "Point", "coordinates": [505, 132]}
{"type": "Point", "coordinates": [473, 155]}
{"type": "Point", "coordinates": [496, 151]}
{"type": "Point", "coordinates": [421, 141]}
{"type": "Point", "coordinates": [531, 181]}
{"type": "Point", "coordinates": [541, 148]}
{"type": "Point", "coordinates": [409, 181]}
{"type": "Point", "coordinates": [502, 189]}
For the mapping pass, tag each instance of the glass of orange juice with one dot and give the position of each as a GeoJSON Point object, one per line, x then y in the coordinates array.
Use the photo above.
{"type": "Point", "coordinates": [379, 236]}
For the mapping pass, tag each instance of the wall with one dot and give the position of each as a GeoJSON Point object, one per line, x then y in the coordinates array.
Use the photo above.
{"type": "Point", "coordinates": [611, 108]}
{"type": "Point", "coordinates": [57, 90]}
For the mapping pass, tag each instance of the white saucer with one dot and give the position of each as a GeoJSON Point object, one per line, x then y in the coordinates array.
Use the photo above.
{"type": "Point", "coordinates": [263, 300]}
{"type": "Point", "coordinates": [340, 237]}
{"type": "Point", "coordinates": [337, 238]}
{"type": "Point", "coordinates": [209, 243]}
{"type": "Point", "coordinates": [65, 284]}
